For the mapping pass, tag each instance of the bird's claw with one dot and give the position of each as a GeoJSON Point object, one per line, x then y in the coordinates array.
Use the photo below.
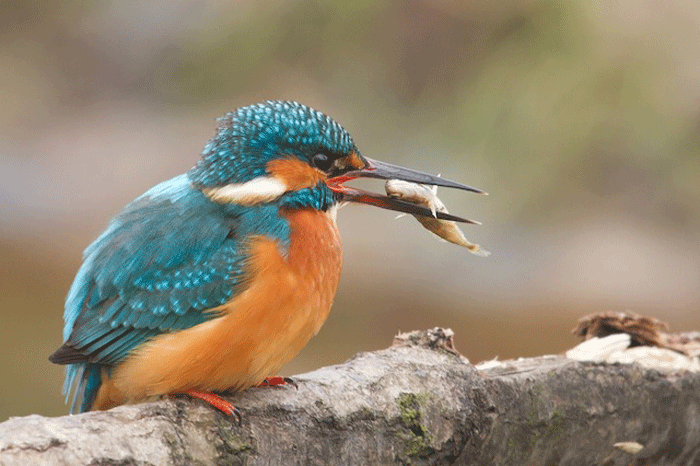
{"type": "Point", "coordinates": [278, 380]}
{"type": "Point", "coordinates": [217, 402]}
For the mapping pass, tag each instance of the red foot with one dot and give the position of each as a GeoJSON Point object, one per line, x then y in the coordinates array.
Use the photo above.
{"type": "Point", "coordinates": [216, 401]}
{"type": "Point", "coordinates": [277, 380]}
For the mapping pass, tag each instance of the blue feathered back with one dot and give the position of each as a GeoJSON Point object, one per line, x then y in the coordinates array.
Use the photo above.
{"type": "Point", "coordinates": [170, 255]}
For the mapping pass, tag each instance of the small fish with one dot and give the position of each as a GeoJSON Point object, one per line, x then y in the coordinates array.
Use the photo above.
{"type": "Point", "coordinates": [426, 196]}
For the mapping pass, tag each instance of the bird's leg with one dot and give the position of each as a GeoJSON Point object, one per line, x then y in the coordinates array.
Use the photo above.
{"type": "Point", "coordinates": [277, 380]}
{"type": "Point", "coordinates": [216, 401]}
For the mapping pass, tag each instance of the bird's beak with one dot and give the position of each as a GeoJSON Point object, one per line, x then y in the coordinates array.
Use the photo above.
{"type": "Point", "coordinates": [386, 171]}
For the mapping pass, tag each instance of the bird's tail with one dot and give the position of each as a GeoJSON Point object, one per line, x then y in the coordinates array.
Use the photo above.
{"type": "Point", "coordinates": [81, 385]}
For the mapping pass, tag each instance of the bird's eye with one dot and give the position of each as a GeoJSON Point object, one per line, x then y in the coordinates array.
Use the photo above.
{"type": "Point", "coordinates": [321, 161]}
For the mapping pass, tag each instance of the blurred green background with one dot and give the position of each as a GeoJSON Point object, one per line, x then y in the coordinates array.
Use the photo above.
{"type": "Point", "coordinates": [581, 118]}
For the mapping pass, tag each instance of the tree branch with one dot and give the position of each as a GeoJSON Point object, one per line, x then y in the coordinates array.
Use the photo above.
{"type": "Point", "coordinates": [417, 402]}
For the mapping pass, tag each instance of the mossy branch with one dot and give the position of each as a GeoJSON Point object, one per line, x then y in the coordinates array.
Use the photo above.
{"type": "Point", "coordinates": [417, 402]}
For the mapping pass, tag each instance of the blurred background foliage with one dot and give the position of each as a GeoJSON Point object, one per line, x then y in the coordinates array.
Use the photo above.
{"type": "Point", "coordinates": [581, 118]}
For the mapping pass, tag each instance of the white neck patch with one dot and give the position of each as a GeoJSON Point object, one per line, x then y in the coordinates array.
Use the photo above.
{"type": "Point", "coordinates": [256, 191]}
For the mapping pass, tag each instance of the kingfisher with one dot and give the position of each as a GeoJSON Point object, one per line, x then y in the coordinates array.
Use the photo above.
{"type": "Point", "coordinates": [210, 282]}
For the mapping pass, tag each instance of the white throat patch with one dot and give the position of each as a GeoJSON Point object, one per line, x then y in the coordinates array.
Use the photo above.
{"type": "Point", "coordinates": [255, 191]}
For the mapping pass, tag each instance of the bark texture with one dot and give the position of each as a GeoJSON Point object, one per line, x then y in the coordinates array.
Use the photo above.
{"type": "Point", "coordinates": [417, 402]}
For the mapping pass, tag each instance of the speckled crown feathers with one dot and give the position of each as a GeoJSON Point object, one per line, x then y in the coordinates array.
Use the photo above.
{"type": "Point", "coordinates": [249, 137]}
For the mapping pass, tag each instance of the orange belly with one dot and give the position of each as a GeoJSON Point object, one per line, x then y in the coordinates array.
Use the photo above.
{"type": "Point", "coordinates": [260, 330]}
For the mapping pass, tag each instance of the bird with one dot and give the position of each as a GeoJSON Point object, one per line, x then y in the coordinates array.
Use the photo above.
{"type": "Point", "coordinates": [210, 282]}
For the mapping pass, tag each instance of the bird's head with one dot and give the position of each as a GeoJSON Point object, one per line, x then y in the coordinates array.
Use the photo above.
{"type": "Point", "coordinates": [288, 153]}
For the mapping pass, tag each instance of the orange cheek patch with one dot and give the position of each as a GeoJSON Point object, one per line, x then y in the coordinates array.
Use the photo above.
{"type": "Point", "coordinates": [295, 173]}
{"type": "Point", "coordinates": [355, 161]}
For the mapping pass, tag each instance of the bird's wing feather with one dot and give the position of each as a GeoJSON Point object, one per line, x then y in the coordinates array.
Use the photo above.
{"type": "Point", "coordinates": [162, 262]}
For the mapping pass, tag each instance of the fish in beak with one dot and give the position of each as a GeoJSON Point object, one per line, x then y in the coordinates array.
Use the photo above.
{"type": "Point", "coordinates": [386, 171]}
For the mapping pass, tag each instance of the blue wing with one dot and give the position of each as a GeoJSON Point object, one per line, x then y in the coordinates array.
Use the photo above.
{"type": "Point", "coordinates": [169, 256]}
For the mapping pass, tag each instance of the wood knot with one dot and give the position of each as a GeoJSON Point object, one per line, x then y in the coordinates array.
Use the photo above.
{"type": "Point", "coordinates": [644, 331]}
{"type": "Point", "coordinates": [440, 339]}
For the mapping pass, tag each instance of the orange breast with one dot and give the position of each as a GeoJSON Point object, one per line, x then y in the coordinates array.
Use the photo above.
{"type": "Point", "coordinates": [260, 330]}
